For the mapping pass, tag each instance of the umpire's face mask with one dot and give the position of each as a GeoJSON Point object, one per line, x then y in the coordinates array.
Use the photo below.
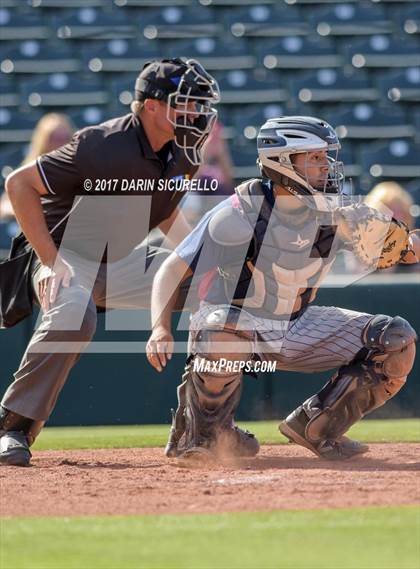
{"type": "Point", "coordinates": [192, 130]}
{"type": "Point", "coordinates": [190, 110]}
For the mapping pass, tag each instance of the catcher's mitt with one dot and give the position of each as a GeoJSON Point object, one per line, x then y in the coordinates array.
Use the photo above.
{"type": "Point", "coordinates": [377, 240]}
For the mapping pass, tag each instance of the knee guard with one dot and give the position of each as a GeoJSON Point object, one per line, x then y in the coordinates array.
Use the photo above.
{"type": "Point", "coordinates": [391, 342]}
{"type": "Point", "coordinates": [10, 421]}
{"type": "Point", "coordinates": [363, 385]}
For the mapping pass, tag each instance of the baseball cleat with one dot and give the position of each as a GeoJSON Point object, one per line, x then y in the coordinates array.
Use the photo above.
{"type": "Point", "coordinates": [171, 449]}
{"type": "Point", "coordinates": [14, 449]}
{"type": "Point", "coordinates": [294, 428]}
{"type": "Point", "coordinates": [195, 457]}
{"type": "Point", "coordinates": [245, 443]}
{"type": "Point", "coordinates": [353, 446]}
{"type": "Point", "coordinates": [176, 433]}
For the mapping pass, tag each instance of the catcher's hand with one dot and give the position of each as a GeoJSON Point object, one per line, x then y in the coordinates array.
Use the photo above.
{"type": "Point", "coordinates": [377, 240]}
{"type": "Point", "coordinates": [159, 348]}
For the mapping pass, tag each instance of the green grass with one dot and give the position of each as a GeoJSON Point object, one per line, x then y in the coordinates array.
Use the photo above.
{"type": "Point", "coordinates": [385, 538]}
{"type": "Point", "coordinates": [360, 538]}
{"type": "Point", "coordinates": [402, 430]}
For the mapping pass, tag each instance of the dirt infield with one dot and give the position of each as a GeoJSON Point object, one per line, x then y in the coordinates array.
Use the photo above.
{"type": "Point", "coordinates": [143, 481]}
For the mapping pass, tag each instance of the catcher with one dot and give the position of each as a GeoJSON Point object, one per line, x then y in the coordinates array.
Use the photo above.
{"type": "Point", "coordinates": [263, 254]}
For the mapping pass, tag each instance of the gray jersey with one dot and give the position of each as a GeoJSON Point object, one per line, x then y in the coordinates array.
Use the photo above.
{"type": "Point", "coordinates": [290, 254]}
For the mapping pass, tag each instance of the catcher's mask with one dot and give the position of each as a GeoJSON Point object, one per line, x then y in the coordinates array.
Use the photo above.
{"type": "Point", "coordinates": [190, 91]}
{"type": "Point", "coordinates": [281, 139]}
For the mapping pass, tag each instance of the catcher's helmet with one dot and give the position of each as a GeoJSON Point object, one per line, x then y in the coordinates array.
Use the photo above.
{"type": "Point", "coordinates": [180, 83]}
{"type": "Point", "coordinates": [281, 138]}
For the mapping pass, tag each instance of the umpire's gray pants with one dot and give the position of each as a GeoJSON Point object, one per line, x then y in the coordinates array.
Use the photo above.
{"type": "Point", "coordinates": [72, 318]}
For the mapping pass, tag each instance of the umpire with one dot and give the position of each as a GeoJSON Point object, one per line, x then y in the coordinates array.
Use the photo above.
{"type": "Point", "coordinates": [161, 139]}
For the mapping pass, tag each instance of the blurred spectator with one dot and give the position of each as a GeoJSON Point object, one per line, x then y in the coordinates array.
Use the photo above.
{"type": "Point", "coordinates": [217, 165]}
{"type": "Point", "coordinates": [395, 198]}
{"type": "Point", "coordinates": [390, 198]}
{"type": "Point", "coordinates": [51, 132]}
{"type": "Point", "coordinates": [399, 201]}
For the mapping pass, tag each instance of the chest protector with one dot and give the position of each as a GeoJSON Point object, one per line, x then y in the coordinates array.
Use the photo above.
{"type": "Point", "coordinates": [289, 254]}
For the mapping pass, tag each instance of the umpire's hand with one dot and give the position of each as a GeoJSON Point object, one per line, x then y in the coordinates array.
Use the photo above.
{"type": "Point", "coordinates": [160, 347]}
{"type": "Point", "coordinates": [51, 279]}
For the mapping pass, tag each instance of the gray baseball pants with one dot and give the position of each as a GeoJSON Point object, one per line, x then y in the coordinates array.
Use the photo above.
{"type": "Point", "coordinates": [323, 338]}
{"type": "Point", "coordinates": [72, 321]}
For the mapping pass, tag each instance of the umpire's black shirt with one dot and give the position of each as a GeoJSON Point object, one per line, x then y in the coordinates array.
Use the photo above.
{"type": "Point", "coordinates": [110, 152]}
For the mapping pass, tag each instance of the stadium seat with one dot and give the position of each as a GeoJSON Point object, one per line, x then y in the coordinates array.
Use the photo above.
{"type": "Point", "coordinates": [11, 3]}
{"type": "Point", "coordinates": [118, 55]}
{"type": "Point", "coordinates": [383, 51]}
{"type": "Point", "coordinates": [90, 23]}
{"type": "Point", "coordinates": [16, 126]}
{"type": "Point", "coordinates": [9, 95]}
{"type": "Point", "coordinates": [62, 4]}
{"type": "Point", "coordinates": [122, 90]}
{"type": "Point", "coordinates": [258, 85]}
{"type": "Point", "coordinates": [331, 85]}
{"type": "Point", "coordinates": [344, 19]}
{"type": "Point", "coordinates": [244, 157]}
{"type": "Point", "coordinates": [413, 188]}
{"type": "Point", "coordinates": [294, 52]}
{"type": "Point", "coordinates": [397, 158]}
{"type": "Point", "coordinates": [91, 115]}
{"type": "Point", "coordinates": [179, 22]}
{"type": "Point", "coordinates": [152, 3]}
{"type": "Point", "coordinates": [365, 121]}
{"type": "Point", "coordinates": [213, 53]}
{"type": "Point", "coordinates": [58, 90]}
{"type": "Point", "coordinates": [396, 2]}
{"type": "Point", "coordinates": [402, 86]}
{"type": "Point", "coordinates": [409, 18]}
{"type": "Point", "coordinates": [265, 21]}
{"type": "Point", "coordinates": [32, 56]}
{"type": "Point", "coordinates": [249, 121]}
{"type": "Point", "coordinates": [233, 3]}
{"type": "Point", "coordinates": [303, 2]}
{"type": "Point", "coordinates": [270, 57]}
{"type": "Point", "coordinates": [11, 157]}
{"type": "Point", "coordinates": [352, 169]}
{"type": "Point", "coordinates": [17, 26]}
{"type": "Point", "coordinates": [415, 118]}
